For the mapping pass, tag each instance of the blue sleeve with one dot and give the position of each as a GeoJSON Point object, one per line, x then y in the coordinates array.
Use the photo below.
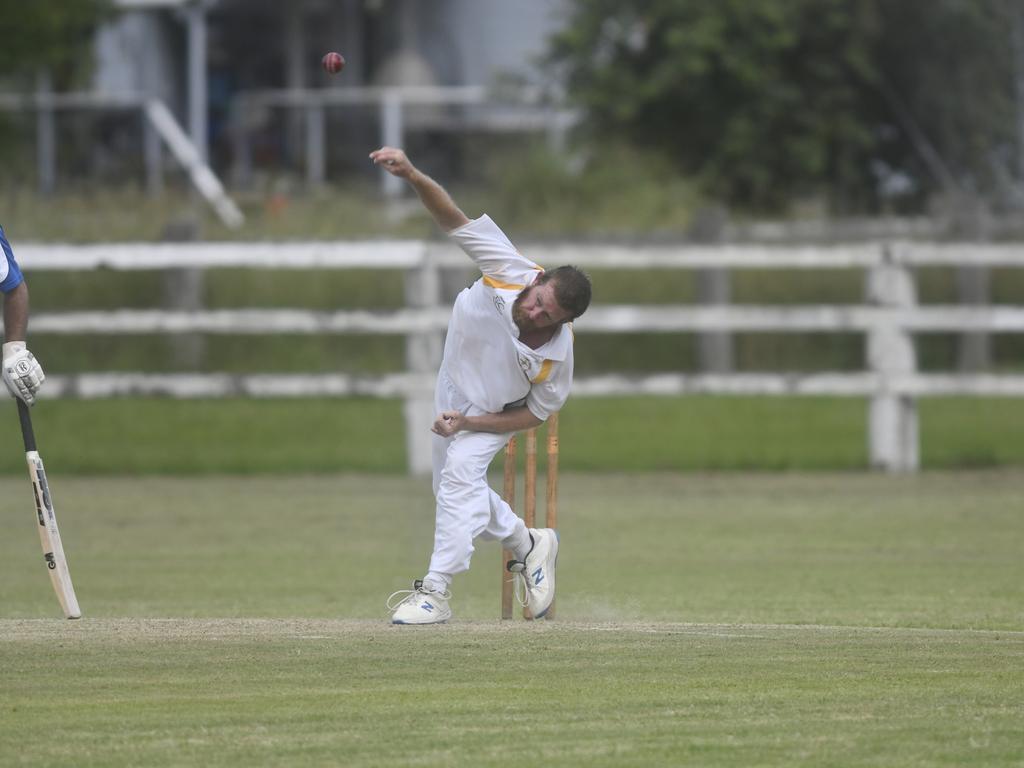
{"type": "Point", "coordinates": [10, 275]}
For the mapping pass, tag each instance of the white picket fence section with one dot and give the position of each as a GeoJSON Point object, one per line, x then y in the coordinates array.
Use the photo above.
{"type": "Point", "coordinates": [889, 316]}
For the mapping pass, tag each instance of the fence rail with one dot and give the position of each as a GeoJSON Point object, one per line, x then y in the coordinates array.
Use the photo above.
{"type": "Point", "coordinates": [608, 319]}
{"type": "Point", "coordinates": [888, 317]}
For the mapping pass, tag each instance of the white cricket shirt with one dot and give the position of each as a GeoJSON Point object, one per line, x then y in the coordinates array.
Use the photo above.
{"type": "Point", "coordinates": [483, 356]}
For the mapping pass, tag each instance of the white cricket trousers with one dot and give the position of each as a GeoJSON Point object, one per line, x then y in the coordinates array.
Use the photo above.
{"type": "Point", "coordinates": [467, 508]}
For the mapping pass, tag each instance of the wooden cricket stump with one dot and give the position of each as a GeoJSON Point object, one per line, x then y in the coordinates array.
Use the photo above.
{"type": "Point", "coordinates": [509, 494]}
{"type": "Point", "coordinates": [530, 500]}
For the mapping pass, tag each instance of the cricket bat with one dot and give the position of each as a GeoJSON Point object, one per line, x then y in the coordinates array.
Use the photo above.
{"type": "Point", "coordinates": [49, 534]}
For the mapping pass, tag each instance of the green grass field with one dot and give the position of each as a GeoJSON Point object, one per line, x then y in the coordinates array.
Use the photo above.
{"type": "Point", "coordinates": [707, 620]}
{"type": "Point", "coordinates": [624, 434]}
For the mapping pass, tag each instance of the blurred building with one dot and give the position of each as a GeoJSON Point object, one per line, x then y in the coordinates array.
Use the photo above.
{"type": "Point", "coordinates": [200, 56]}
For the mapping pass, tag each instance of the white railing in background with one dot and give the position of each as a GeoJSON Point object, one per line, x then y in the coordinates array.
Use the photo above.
{"type": "Point", "coordinates": [460, 108]}
{"type": "Point", "coordinates": [888, 317]}
{"type": "Point", "coordinates": [158, 123]}
{"type": "Point", "coordinates": [399, 110]}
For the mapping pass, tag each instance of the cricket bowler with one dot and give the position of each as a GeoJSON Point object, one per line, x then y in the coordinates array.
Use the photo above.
{"type": "Point", "coordinates": [507, 367]}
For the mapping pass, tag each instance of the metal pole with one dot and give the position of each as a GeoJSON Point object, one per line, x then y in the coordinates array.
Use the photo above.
{"type": "Point", "coordinates": [153, 157]}
{"type": "Point", "coordinates": [196, 20]}
{"type": "Point", "coordinates": [295, 75]}
{"type": "Point", "coordinates": [392, 132]}
{"type": "Point", "coordinates": [46, 136]}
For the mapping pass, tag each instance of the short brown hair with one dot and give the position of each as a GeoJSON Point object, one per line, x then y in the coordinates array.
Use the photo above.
{"type": "Point", "coordinates": [572, 289]}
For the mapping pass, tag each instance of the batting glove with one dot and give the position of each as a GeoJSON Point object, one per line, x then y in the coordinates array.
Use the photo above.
{"type": "Point", "coordinates": [22, 373]}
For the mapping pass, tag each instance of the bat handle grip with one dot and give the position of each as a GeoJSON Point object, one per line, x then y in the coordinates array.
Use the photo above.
{"type": "Point", "coordinates": [27, 434]}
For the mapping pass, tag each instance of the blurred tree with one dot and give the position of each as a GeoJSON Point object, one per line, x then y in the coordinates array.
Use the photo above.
{"type": "Point", "coordinates": [56, 35]}
{"type": "Point", "coordinates": [769, 101]}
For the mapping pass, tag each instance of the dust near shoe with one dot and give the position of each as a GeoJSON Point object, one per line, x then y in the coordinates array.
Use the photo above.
{"type": "Point", "coordinates": [538, 571]}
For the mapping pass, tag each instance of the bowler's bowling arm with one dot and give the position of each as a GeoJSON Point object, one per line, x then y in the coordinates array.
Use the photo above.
{"type": "Point", "coordinates": [512, 420]}
{"type": "Point", "coordinates": [437, 201]}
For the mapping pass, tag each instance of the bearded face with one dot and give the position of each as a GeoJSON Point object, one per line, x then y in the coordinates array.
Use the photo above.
{"type": "Point", "coordinates": [536, 308]}
{"type": "Point", "coordinates": [519, 315]}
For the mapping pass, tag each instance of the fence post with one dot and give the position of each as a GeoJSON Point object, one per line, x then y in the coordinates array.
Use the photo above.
{"type": "Point", "coordinates": [974, 350]}
{"type": "Point", "coordinates": [971, 221]}
{"type": "Point", "coordinates": [892, 421]}
{"type": "Point", "coordinates": [183, 291]}
{"type": "Point", "coordinates": [715, 349]}
{"type": "Point", "coordinates": [423, 350]}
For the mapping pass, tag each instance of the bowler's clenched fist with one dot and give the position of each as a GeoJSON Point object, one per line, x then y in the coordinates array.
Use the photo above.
{"type": "Point", "coordinates": [448, 423]}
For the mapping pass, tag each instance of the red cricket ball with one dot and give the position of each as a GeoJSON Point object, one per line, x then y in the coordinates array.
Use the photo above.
{"type": "Point", "coordinates": [333, 62]}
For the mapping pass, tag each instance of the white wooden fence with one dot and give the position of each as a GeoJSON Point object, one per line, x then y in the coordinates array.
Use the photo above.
{"type": "Point", "coordinates": [889, 316]}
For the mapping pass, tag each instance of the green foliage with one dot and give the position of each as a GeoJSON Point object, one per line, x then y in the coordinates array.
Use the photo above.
{"type": "Point", "coordinates": [56, 35]}
{"type": "Point", "coordinates": [953, 78]}
{"type": "Point", "coordinates": [617, 188]}
{"type": "Point", "coordinates": [766, 102]}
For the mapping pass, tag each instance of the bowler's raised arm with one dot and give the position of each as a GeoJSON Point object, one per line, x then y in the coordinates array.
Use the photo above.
{"type": "Point", "coordinates": [433, 196]}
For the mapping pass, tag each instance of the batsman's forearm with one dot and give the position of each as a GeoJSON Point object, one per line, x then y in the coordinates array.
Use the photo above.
{"type": "Point", "coordinates": [437, 202]}
{"type": "Point", "coordinates": [512, 420]}
{"type": "Point", "coordinates": [16, 314]}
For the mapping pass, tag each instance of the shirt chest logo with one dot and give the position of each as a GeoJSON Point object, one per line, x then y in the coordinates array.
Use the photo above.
{"type": "Point", "coordinates": [499, 304]}
{"type": "Point", "coordinates": [525, 364]}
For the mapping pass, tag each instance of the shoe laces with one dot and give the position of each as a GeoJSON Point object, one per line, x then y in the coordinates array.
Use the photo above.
{"type": "Point", "coordinates": [518, 570]}
{"type": "Point", "coordinates": [400, 596]}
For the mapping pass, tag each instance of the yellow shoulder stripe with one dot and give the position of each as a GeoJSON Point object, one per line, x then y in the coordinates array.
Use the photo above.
{"type": "Point", "coordinates": [498, 284]}
{"type": "Point", "coordinates": [545, 371]}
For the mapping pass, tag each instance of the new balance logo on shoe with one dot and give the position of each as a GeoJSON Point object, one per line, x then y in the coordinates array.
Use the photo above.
{"type": "Point", "coordinates": [538, 573]}
{"type": "Point", "coordinates": [419, 605]}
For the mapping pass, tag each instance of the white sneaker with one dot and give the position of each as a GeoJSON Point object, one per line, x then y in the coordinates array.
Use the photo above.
{"type": "Point", "coordinates": [538, 570]}
{"type": "Point", "coordinates": [419, 605]}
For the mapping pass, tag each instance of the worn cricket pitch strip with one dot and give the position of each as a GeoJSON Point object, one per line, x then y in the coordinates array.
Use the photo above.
{"type": "Point", "coordinates": [177, 629]}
